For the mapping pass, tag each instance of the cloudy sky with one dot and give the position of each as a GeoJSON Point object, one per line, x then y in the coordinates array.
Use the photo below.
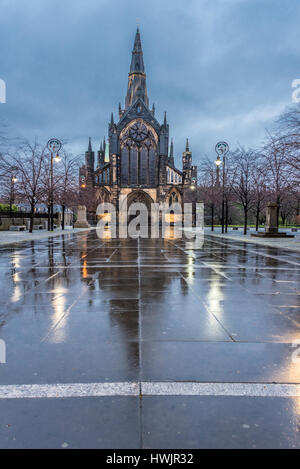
{"type": "Point", "coordinates": [222, 69]}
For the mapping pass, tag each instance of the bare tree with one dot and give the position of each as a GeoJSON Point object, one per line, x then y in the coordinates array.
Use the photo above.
{"type": "Point", "coordinates": [66, 193]}
{"type": "Point", "coordinates": [46, 185]}
{"type": "Point", "coordinates": [209, 187]}
{"type": "Point", "coordinates": [297, 201]}
{"type": "Point", "coordinates": [244, 161]}
{"type": "Point", "coordinates": [259, 184]}
{"type": "Point", "coordinates": [287, 209]}
{"type": "Point", "coordinates": [27, 162]}
{"type": "Point", "coordinates": [279, 179]}
{"type": "Point", "coordinates": [289, 138]}
{"type": "Point", "coordinates": [231, 170]}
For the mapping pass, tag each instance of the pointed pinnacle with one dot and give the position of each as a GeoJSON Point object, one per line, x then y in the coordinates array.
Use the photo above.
{"type": "Point", "coordinates": [90, 145]}
{"type": "Point", "coordinates": [172, 148]}
{"type": "Point", "coordinates": [137, 47]}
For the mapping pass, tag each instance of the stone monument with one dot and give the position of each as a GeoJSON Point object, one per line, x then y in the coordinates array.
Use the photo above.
{"type": "Point", "coordinates": [271, 228]}
{"type": "Point", "coordinates": [81, 217]}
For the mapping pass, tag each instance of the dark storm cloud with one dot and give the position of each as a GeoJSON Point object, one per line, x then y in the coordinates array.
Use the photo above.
{"type": "Point", "coordinates": [222, 69]}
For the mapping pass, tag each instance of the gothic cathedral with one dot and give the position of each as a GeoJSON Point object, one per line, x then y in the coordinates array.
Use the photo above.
{"type": "Point", "coordinates": [137, 161]}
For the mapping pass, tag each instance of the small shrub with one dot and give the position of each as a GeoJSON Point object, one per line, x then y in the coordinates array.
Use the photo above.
{"type": "Point", "coordinates": [6, 208]}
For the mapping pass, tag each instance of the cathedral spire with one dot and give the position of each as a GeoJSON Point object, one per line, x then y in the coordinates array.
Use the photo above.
{"type": "Point", "coordinates": [137, 61]}
{"type": "Point", "coordinates": [137, 78]}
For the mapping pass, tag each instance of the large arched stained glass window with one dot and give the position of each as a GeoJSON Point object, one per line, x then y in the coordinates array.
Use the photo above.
{"type": "Point", "coordinates": [138, 143]}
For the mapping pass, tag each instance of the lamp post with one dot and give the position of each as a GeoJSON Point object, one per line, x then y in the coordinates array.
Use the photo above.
{"type": "Point", "coordinates": [13, 180]}
{"type": "Point", "coordinates": [222, 148]}
{"type": "Point", "coordinates": [53, 145]}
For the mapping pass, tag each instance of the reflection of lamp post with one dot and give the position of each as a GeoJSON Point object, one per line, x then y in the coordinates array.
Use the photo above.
{"type": "Point", "coordinates": [54, 145]}
{"type": "Point", "coordinates": [222, 149]}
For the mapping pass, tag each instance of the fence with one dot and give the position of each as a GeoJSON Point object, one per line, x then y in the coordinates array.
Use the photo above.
{"type": "Point", "coordinates": [8, 219]}
{"type": "Point", "coordinates": [14, 214]}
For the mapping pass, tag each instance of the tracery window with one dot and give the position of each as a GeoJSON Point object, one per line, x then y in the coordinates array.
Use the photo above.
{"type": "Point", "coordinates": [173, 198]}
{"type": "Point", "coordinates": [138, 142]}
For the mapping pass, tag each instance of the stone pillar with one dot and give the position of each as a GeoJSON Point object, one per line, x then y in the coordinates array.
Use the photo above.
{"type": "Point", "coordinates": [81, 217]}
{"type": "Point", "coordinates": [271, 218]}
{"type": "Point", "coordinates": [271, 227]}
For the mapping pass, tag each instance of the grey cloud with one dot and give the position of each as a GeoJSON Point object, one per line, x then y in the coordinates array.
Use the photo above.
{"type": "Point", "coordinates": [221, 69]}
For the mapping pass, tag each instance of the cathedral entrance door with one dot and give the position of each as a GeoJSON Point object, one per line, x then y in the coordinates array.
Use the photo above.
{"type": "Point", "coordinates": [139, 197]}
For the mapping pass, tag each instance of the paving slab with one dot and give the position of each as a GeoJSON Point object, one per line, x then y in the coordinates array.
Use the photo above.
{"type": "Point", "coordinates": [211, 422]}
{"type": "Point", "coordinates": [89, 423]}
{"type": "Point", "coordinates": [219, 362]}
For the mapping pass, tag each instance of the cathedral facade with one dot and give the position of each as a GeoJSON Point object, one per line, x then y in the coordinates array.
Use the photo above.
{"type": "Point", "coordinates": [137, 161]}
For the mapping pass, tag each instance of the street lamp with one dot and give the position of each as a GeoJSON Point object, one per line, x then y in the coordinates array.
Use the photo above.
{"type": "Point", "coordinates": [13, 180]}
{"type": "Point", "coordinates": [193, 183]}
{"type": "Point", "coordinates": [53, 145]}
{"type": "Point", "coordinates": [222, 148]}
{"type": "Point", "coordinates": [218, 161]}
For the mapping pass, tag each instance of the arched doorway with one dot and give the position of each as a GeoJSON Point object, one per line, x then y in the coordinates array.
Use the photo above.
{"type": "Point", "coordinates": [139, 197]}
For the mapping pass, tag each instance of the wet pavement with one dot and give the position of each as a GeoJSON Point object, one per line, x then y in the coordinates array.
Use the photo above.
{"type": "Point", "coordinates": [80, 310]}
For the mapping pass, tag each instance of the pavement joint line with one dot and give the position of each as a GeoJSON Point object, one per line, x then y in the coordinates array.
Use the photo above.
{"type": "Point", "coordinates": [32, 289]}
{"type": "Point", "coordinates": [141, 426]}
{"type": "Point", "coordinates": [148, 388]}
{"type": "Point", "coordinates": [263, 244]}
{"type": "Point", "coordinates": [109, 258]}
{"type": "Point", "coordinates": [207, 308]}
{"type": "Point", "coordinates": [64, 315]}
{"type": "Point", "coordinates": [230, 279]}
{"type": "Point", "coordinates": [274, 257]}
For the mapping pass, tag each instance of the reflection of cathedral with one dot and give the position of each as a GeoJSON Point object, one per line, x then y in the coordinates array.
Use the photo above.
{"type": "Point", "coordinates": [137, 161]}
